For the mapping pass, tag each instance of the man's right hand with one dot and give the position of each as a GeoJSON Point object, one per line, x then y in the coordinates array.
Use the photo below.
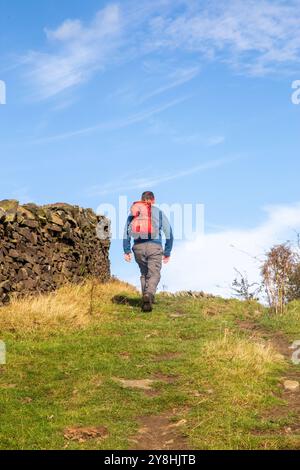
{"type": "Point", "coordinates": [128, 257]}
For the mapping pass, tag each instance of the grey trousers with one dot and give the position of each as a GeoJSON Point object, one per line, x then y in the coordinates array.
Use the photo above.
{"type": "Point", "coordinates": [148, 256]}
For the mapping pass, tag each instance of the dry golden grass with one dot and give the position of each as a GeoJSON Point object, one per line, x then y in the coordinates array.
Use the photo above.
{"type": "Point", "coordinates": [245, 355]}
{"type": "Point", "coordinates": [70, 307]}
{"type": "Point", "coordinates": [238, 371]}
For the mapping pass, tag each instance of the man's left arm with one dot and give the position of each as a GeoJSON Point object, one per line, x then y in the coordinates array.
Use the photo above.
{"type": "Point", "coordinates": [168, 232]}
{"type": "Point", "coordinates": [127, 239]}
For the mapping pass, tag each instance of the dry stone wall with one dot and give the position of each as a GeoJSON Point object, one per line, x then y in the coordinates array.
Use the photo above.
{"type": "Point", "coordinates": [43, 247]}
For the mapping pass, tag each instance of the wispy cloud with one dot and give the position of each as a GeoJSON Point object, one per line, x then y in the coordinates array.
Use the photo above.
{"type": "Point", "coordinates": [112, 125]}
{"type": "Point", "coordinates": [256, 36]}
{"type": "Point", "coordinates": [163, 128]}
{"type": "Point", "coordinates": [176, 79]}
{"type": "Point", "coordinates": [211, 141]}
{"type": "Point", "coordinates": [158, 80]}
{"type": "Point", "coordinates": [143, 182]}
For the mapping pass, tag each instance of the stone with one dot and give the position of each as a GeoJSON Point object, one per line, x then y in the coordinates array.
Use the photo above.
{"type": "Point", "coordinates": [9, 204]}
{"type": "Point", "coordinates": [5, 285]}
{"type": "Point", "coordinates": [55, 219]}
{"type": "Point", "coordinates": [25, 232]}
{"type": "Point", "coordinates": [182, 422]}
{"type": "Point", "coordinates": [177, 315]}
{"type": "Point", "coordinates": [22, 274]}
{"type": "Point", "coordinates": [41, 214]}
{"type": "Point", "coordinates": [10, 216]}
{"type": "Point", "coordinates": [29, 284]}
{"type": "Point", "coordinates": [33, 208]}
{"type": "Point", "coordinates": [54, 228]}
{"type": "Point", "coordinates": [145, 384]}
{"type": "Point", "coordinates": [14, 254]}
{"type": "Point", "coordinates": [30, 223]}
{"type": "Point", "coordinates": [36, 268]}
{"type": "Point", "coordinates": [83, 434]}
{"type": "Point", "coordinates": [25, 213]}
{"type": "Point", "coordinates": [26, 257]}
{"type": "Point", "coordinates": [291, 385]}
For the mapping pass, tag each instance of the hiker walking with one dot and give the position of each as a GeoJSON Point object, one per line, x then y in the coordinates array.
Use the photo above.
{"type": "Point", "coordinates": [145, 225]}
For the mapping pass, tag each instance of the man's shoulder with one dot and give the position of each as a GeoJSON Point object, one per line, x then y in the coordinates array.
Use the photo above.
{"type": "Point", "coordinates": [157, 212]}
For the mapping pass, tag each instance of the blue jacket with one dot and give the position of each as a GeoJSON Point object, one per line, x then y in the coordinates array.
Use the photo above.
{"type": "Point", "coordinates": [160, 224]}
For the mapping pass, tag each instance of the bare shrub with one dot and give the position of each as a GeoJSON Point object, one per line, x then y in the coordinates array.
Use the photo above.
{"type": "Point", "coordinates": [245, 290]}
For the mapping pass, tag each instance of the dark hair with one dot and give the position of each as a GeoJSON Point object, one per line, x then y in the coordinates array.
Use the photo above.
{"type": "Point", "coordinates": [148, 196]}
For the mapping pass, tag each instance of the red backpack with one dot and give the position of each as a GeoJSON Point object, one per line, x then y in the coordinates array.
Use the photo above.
{"type": "Point", "coordinates": [141, 225]}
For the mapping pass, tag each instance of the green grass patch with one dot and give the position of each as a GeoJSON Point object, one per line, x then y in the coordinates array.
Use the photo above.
{"type": "Point", "coordinates": [288, 322]}
{"type": "Point", "coordinates": [221, 382]}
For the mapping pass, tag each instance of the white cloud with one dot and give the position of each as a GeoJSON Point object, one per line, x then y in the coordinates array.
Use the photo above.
{"type": "Point", "coordinates": [208, 263]}
{"type": "Point", "coordinates": [256, 36]}
{"type": "Point", "coordinates": [69, 30]}
{"type": "Point", "coordinates": [79, 51]}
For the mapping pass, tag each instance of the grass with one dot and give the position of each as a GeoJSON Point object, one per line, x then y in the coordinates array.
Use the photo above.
{"type": "Point", "coordinates": [288, 323]}
{"type": "Point", "coordinates": [71, 307]}
{"type": "Point", "coordinates": [66, 348]}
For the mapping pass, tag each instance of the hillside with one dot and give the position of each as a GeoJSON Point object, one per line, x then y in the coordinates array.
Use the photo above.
{"type": "Point", "coordinates": [87, 370]}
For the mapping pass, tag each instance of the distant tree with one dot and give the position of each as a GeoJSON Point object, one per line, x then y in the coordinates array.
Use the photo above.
{"type": "Point", "coordinates": [277, 271]}
{"type": "Point", "coordinates": [293, 292]}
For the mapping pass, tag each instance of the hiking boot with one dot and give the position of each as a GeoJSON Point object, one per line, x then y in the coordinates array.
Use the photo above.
{"type": "Point", "coordinates": [147, 303]}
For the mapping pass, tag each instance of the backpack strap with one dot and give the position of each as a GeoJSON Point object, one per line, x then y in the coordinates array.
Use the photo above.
{"type": "Point", "coordinates": [160, 220]}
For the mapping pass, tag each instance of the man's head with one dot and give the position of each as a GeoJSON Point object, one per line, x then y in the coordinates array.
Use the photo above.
{"type": "Point", "coordinates": [148, 196]}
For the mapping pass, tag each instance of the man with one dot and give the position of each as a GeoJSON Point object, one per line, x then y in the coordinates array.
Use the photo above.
{"type": "Point", "coordinates": [145, 225]}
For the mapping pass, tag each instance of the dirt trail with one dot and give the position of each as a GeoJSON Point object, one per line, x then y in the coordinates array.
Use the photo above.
{"type": "Point", "coordinates": [282, 345]}
{"type": "Point", "coordinates": [165, 433]}
{"type": "Point", "coordinates": [160, 433]}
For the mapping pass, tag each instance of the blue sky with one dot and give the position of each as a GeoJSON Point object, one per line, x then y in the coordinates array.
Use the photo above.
{"type": "Point", "coordinates": [190, 98]}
